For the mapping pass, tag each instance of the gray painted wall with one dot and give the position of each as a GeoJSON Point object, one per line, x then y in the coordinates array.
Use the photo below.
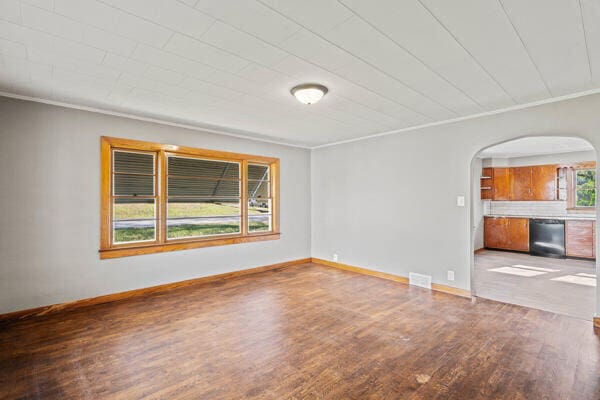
{"type": "Point", "coordinates": [478, 208]}
{"type": "Point", "coordinates": [50, 197]}
{"type": "Point", "coordinates": [389, 203]}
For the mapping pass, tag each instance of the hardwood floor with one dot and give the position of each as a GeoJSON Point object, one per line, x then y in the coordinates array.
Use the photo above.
{"type": "Point", "coordinates": [537, 282]}
{"type": "Point", "coordinates": [302, 332]}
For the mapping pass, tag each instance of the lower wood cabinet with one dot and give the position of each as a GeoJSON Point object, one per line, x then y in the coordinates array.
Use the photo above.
{"type": "Point", "coordinates": [518, 234]}
{"type": "Point", "coordinates": [506, 233]}
{"type": "Point", "coordinates": [580, 237]}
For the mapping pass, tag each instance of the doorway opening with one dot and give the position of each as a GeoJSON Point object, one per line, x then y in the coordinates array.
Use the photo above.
{"type": "Point", "coordinates": [534, 224]}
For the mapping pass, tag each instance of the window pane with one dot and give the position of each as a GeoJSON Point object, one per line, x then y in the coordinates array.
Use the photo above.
{"type": "Point", "coordinates": [185, 208]}
{"type": "Point", "coordinates": [132, 209]}
{"type": "Point", "coordinates": [258, 172]}
{"type": "Point", "coordinates": [586, 197]}
{"type": "Point", "coordinates": [259, 215]}
{"type": "Point", "coordinates": [203, 168]}
{"type": "Point", "coordinates": [259, 189]}
{"type": "Point", "coordinates": [194, 187]}
{"type": "Point", "coordinates": [178, 228]}
{"type": "Point", "coordinates": [586, 178]}
{"type": "Point", "coordinates": [139, 230]}
{"type": "Point", "coordinates": [586, 188]}
{"type": "Point", "coordinates": [133, 185]}
{"type": "Point", "coordinates": [259, 223]}
{"type": "Point", "coordinates": [133, 220]}
{"type": "Point", "coordinates": [137, 163]}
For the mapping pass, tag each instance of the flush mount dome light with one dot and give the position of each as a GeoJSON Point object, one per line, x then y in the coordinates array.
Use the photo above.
{"type": "Point", "coordinates": [309, 93]}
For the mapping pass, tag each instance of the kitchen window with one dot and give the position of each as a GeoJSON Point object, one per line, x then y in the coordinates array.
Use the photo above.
{"type": "Point", "coordinates": [585, 188]}
{"type": "Point", "coordinates": [158, 197]}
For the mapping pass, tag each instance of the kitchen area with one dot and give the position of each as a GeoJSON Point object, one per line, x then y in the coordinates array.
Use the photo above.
{"type": "Point", "coordinates": [535, 241]}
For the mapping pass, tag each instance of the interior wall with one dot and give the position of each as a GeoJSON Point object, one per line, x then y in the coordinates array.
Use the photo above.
{"type": "Point", "coordinates": [51, 200]}
{"type": "Point", "coordinates": [389, 203]}
{"type": "Point", "coordinates": [478, 208]}
{"type": "Point", "coordinates": [559, 158]}
{"type": "Point", "coordinates": [562, 158]}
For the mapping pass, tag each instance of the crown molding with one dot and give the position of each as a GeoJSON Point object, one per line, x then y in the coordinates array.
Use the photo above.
{"type": "Point", "coordinates": [226, 132]}
{"type": "Point", "coordinates": [465, 118]}
{"type": "Point", "coordinates": [200, 128]}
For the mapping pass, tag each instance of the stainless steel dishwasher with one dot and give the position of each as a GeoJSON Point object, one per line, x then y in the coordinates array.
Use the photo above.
{"type": "Point", "coordinates": [547, 238]}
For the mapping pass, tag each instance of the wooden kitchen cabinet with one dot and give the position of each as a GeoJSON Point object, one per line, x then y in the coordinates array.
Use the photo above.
{"type": "Point", "coordinates": [501, 184]}
{"type": "Point", "coordinates": [537, 183]}
{"type": "Point", "coordinates": [506, 233]}
{"type": "Point", "coordinates": [544, 179]}
{"type": "Point", "coordinates": [486, 183]}
{"type": "Point", "coordinates": [580, 238]}
{"type": "Point", "coordinates": [518, 234]}
{"type": "Point", "coordinates": [521, 183]}
{"type": "Point", "coordinates": [495, 233]}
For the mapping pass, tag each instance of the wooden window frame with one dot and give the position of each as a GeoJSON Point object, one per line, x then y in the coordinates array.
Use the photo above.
{"type": "Point", "coordinates": [572, 187]}
{"type": "Point", "coordinates": [108, 249]}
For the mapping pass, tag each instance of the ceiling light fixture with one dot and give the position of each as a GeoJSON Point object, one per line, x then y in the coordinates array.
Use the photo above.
{"type": "Point", "coordinates": [309, 93]}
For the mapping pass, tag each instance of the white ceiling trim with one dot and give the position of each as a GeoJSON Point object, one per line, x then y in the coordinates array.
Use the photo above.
{"type": "Point", "coordinates": [224, 131]}
{"type": "Point", "coordinates": [468, 117]}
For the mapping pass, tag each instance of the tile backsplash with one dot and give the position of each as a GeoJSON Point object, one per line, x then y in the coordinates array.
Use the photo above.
{"type": "Point", "coordinates": [526, 208]}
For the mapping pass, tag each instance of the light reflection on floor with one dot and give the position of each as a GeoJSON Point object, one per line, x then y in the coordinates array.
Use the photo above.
{"type": "Point", "coordinates": [536, 268]}
{"type": "Point", "coordinates": [528, 271]}
{"type": "Point", "coordinates": [577, 279]}
{"type": "Point", "coordinates": [517, 271]}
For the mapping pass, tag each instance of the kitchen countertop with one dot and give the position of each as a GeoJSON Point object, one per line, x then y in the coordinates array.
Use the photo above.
{"type": "Point", "coordinates": [591, 217]}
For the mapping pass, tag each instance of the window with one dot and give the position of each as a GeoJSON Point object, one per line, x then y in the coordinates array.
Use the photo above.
{"type": "Point", "coordinates": [585, 188]}
{"type": "Point", "coordinates": [159, 197]}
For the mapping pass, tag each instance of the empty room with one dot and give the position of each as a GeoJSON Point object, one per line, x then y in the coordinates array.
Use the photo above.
{"type": "Point", "coordinates": [285, 199]}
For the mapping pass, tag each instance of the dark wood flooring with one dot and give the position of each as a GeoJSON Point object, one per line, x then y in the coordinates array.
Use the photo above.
{"type": "Point", "coordinates": [303, 332]}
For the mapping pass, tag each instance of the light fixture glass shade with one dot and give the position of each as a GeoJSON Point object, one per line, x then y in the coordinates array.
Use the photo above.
{"type": "Point", "coordinates": [309, 93]}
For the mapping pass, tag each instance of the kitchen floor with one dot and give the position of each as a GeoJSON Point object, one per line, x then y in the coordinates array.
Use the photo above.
{"type": "Point", "coordinates": [563, 286]}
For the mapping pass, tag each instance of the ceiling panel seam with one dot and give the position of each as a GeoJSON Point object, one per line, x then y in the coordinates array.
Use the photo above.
{"type": "Point", "coordinates": [228, 52]}
{"type": "Point", "coordinates": [468, 52]}
{"type": "Point", "coordinates": [525, 47]}
{"type": "Point", "coordinates": [366, 62]}
{"type": "Point", "coordinates": [316, 114]}
{"type": "Point", "coordinates": [587, 49]}
{"type": "Point", "coordinates": [313, 64]}
{"type": "Point", "coordinates": [341, 2]}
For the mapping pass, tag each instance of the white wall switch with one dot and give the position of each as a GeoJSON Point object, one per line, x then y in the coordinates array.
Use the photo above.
{"type": "Point", "coordinates": [460, 201]}
{"type": "Point", "coordinates": [335, 258]}
{"type": "Point", "coordinates": [450, 275]}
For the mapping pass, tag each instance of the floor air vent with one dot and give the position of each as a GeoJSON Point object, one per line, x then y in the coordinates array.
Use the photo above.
{"type": "Point", "coordinates": [419, 280]}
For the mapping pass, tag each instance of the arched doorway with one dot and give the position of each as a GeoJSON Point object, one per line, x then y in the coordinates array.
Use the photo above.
{"type": "Point", "coordinates": [533, 229]}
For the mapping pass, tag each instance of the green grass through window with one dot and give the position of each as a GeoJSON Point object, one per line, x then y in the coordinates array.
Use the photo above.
{"type": "Point", "coordinates": [187, 230]}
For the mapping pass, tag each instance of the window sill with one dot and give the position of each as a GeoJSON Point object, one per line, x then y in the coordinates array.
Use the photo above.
{"type": "Point", "coordinates": [129, 250]}
{"type": "Point", "coordinates": [581, 210]}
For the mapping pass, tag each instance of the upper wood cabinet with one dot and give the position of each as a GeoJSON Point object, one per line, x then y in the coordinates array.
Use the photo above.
{"type": "Point", "coordinates": [501, 184]}
{"type": "Point", "coordinates": [521, 183]}
{"type": "Point", "coordinates": [524, 183]}
{"type": "Point", "coordinates": [544, 179]}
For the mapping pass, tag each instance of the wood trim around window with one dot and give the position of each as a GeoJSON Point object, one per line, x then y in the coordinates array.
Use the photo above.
{"type": "Point", "coordinates": [572, 187]}
{"type": "Point", "coordinates": [110, 250]}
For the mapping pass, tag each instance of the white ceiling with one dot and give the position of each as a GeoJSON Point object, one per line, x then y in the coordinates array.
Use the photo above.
{"type": "Point", "coordinates": [531, 146]}
{"type": "Point", "coordinates": [389, 64]}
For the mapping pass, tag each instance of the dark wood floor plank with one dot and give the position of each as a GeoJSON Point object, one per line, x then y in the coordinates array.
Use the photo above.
{"type": "Point", "coordinates": [302, 332]}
